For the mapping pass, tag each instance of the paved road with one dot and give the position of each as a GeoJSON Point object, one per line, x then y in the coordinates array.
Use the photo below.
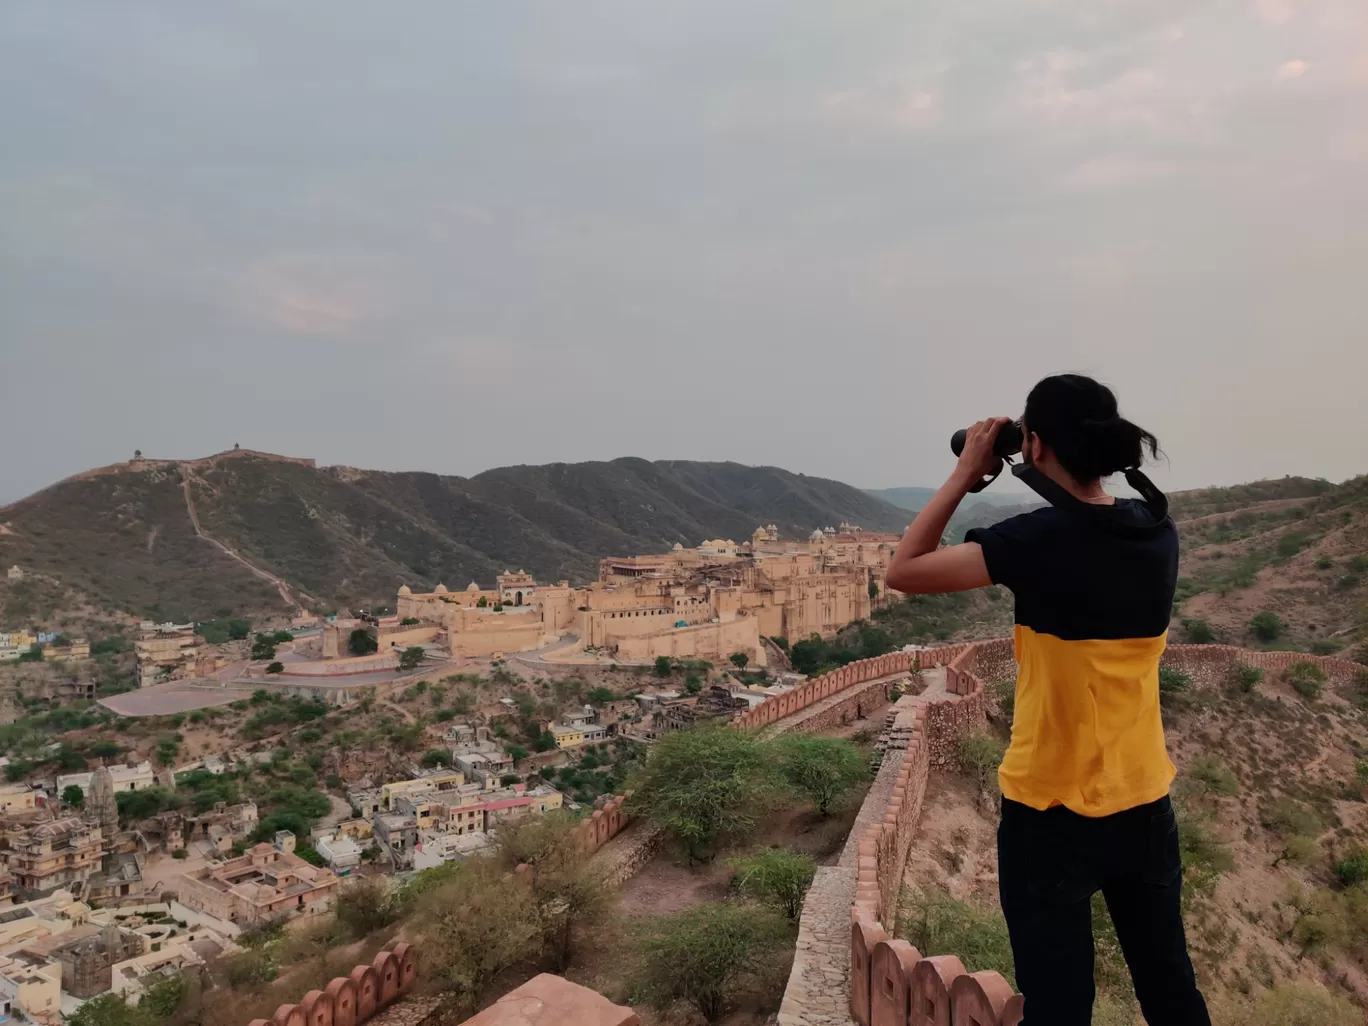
{"type": "Point", "coordinates": [173, 697]}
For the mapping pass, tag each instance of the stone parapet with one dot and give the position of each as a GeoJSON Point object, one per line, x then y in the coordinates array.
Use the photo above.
{"type": "Point", "coordinates": [1209, 664]}
{"type": "Point", "coordinates": [351, 1000]}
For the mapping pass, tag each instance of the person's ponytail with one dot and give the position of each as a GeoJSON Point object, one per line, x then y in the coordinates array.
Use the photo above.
{"type": "Point", "coordinates": [1077, 418]}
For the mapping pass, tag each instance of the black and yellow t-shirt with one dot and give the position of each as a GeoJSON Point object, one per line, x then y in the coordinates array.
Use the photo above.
{"type": "Point", "coordinates": [1092, 613]}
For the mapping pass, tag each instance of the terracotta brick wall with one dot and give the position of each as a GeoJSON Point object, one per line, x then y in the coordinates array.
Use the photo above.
{"type": "Point", "coordinates": [351, 1000]}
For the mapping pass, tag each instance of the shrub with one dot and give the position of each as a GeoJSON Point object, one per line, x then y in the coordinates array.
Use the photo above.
{"type": "Point", "coordinates": [663, 667]}
{"type": "Point", "coordinates": [366, 906]}
{"type": "Point", "coordinates": [1306, 679]}
{"type": "Point", "coordinates": [1287, 816]}
{"type": "Point", "coordinates": [979, 756]}
{"type": "Point", "coordinates": [474, 926]}
{"type": "Point", "coordinates": [409, 621]}
{"type": "Point", "coordinates": [436, 757]}
{"type": "Point", "coordinates": [776, 877]}
{"type": "Point", "coordinates": [276, 668]}
{"type": "Point", "coordinates": [1267, 626]}
{"type": "Point", "coordinates": [1214, 776]}
{"type": "Point", "coordinates": [1005, 693]}
{"type": "Point", "coordinates": [978, 935]}
{"type": "Point", "coordinates": [1245, 677]}
{"type": "Point", "coordinates": [1353, 867]}
{"type": "Point", "coordinates": [699, 957]}
{"type": "Point", "coordinates": [1324, 563]}
{"type": "Point", "coordinates": [1172, 682]}
{"type": "Point", "coordinates": [1199, 631]}
{"type": "Point", "coordinates": [1358, 565]}
{"type": "Point", "coordinates": [1296, 1004]}
{"type": "Point", "coordinates": [362, 642]}
{"type": "Point", "coordinates": [180, 853]}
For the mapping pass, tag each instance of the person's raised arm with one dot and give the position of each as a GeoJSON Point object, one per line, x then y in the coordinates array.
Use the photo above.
{"type": "Point", "coordinates": [920, 566]}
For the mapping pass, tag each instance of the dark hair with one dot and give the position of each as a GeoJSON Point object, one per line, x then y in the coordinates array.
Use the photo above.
{"type": "Point", "coordinates": [1078, 419]}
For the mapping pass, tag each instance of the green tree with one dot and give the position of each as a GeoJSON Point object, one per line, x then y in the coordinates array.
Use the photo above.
{"type": "Point", "coordinates": [276, 668]}
{"type": "Point", "coordinates": [663, 667]}
{"type": "Point", "coordinates": [1266, 626]}
{"type": "Point", "coordinates": [282, 637]}
{"type": "Point", "coordinates": [739, 660]}
{"type": "Point", "coordinates": [162, 998]}
{"type": "Point", "coordinates": [411, 657]}
{"type": "Point", "coordinates": [263, 647]}
{"type": "Point", "coordinates": [362, 642]}
{"type": "Point", "coordinates": [873, 591]}
{"type": "Point", "coordinates": [409, 621]}
{"type": "Point", "coordinates": [73, 796]}
{"type": "Point", "coordinates": [474, 926]}
{"type": "Point", "coordinates": [436, 757]}
{"type": "Point", "coordinates": [600, 696]}
{"type": "Point", "coordinates": [366, 905]}
{"type": "Point", "coordinates": [705, 786]}
{"type": "Point", "coordinates": [776, 877]}
{"type": "Point", "coordinates": [112, 1010]}
{"type": "Point", "coordinates": [570, 890]}
{"type": "Point", "coordinates": [824, 770]}
{"type": "Point", "coordinates": [701, 956]}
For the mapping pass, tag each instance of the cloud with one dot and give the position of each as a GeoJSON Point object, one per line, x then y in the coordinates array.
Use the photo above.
{"type": "Point", "coordinates": [1275, 12]}
{"type": "Point", "coordinates": [304, 314]}
{"type": "Point", "coordinates": [1292, 70]}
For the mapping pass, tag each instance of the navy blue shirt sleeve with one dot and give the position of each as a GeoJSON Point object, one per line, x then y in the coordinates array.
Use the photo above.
{"type": "Point", "coordinates": [1010, 548]}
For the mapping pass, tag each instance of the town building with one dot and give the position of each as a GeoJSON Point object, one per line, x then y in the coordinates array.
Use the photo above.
{"type": "Point", "coordinates": [31, 987]}
{"type": "Point", "coordinates": [171, 651]}
{"type": "Point", "coordinates": [18, 796]}
{"type": "Point", "coordinates": [87, 962]}
{"type": "Point", "coordinates": [44, 854]}
{"type": "Point", "coordinates": [76, 650]}
{"type": "Point", "coordinates": [13, 644]}
{"type": "Point", "coordinates": [339, 850]}
{"type": "Point", "coordinates": [265, 881]}
{"type": "Point", "coordinates": [14, 573]}
{"type": "Point", "coordinates": [123, 778]}
{"type": "Point", "coordinates": [578, 728]}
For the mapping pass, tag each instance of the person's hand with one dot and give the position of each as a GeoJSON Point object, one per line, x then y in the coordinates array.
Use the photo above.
{"type": "Point", "coordinates": [977, 460]}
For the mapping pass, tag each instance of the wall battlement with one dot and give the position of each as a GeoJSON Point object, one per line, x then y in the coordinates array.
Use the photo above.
{"type": "Point", "coordinates": [352, 999]}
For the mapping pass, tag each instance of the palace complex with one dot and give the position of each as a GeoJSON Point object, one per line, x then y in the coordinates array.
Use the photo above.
{"type": "Point", "coordinates": [707, 602]}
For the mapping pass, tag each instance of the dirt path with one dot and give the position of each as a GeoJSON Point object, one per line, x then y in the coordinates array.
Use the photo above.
{"type": "Point", "coordinates": [285, 594]}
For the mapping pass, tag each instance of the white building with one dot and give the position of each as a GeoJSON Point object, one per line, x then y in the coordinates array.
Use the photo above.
{"type": "Point", "coordinates": [341, 852]}
{"type": "Point", "coordinates": [126, 778]}
{"type": "Point", "coordinates": [434, 848]}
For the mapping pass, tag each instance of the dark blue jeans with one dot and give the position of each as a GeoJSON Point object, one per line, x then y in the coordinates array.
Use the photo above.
{"type": "Point", "coordinates": [1050, 864]}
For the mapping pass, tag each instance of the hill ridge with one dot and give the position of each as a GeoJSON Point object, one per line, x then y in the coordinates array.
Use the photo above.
{"type": "Point", "coordinates": [238, 531]}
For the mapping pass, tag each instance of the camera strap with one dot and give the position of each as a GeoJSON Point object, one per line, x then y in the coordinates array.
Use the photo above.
{"type": "Point", "coordinates": [1056, 495]}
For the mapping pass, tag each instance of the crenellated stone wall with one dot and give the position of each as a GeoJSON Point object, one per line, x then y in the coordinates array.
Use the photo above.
{"type": "Point", "coordinates": [891, 984]}
{"type": "Point", "coordinates": [1210, 664]}
{"type": "Point", "coordinates": [819, 689]}
{"type": "Point", "coordinates": [351, 1000]}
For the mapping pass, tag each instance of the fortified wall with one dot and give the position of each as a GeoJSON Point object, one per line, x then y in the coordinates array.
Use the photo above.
{"type": "Point", "coordinates": [352, 999]}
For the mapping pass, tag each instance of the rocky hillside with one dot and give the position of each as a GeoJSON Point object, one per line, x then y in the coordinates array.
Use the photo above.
{"type": "Point", "coordinates": [338, 536]}
{"type": "Point", "coordinates": [1291, 553]}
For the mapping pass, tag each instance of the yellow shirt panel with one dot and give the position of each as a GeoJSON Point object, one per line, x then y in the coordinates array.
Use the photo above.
{"type": "Point", "coordinates": [1087, 733]}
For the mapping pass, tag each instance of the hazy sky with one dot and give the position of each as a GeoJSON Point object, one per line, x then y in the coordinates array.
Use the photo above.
{"type": "Point", "coordinates": [452, 235]}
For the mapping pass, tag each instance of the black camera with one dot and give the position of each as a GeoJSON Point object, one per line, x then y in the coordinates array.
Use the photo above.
{"type": "Point", "coordinates": [1007, 444]}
